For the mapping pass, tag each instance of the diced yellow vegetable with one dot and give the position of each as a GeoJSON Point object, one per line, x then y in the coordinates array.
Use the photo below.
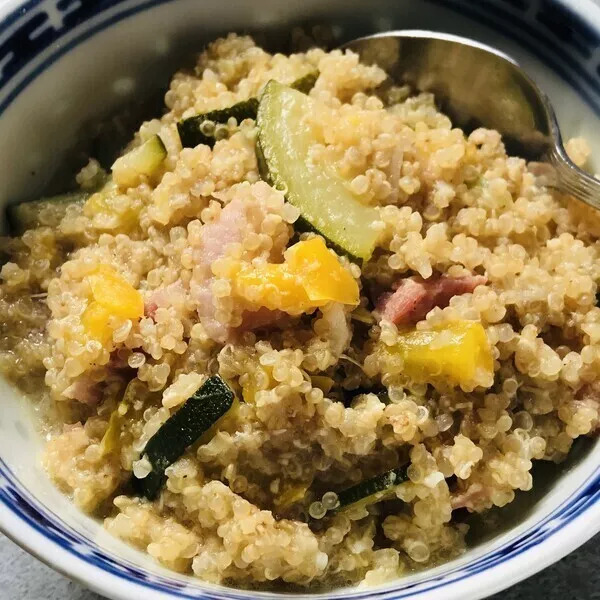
{"type": "Point", "coordinates": [363, 315]}
{"type": "Point", "coordinates": [110, 440]}
{"type": "Point", "coordinates": [226, 423]}
{"type": "Point", "coordinates": [290, 495]}
{"type": "Point", "coordinates": [322, 382]}
{"type": "Point", "coordinates": [144, 160]}
{"type": "Point", "coordinates": [310, 277]}
{"type": "Point", "coordinates": [111, 296]}
{"type": "Point", "coordinates": [323, 277]}
{"type": "Point", "coordinates": [110, 210]}
{"type": "Point", "coordinates": [272, 286]}
{"type": "Point", "coordinates": [115, 294]}
{"type": "Point", "coordinates": [259, 379]}
{"type": "Point", "coordinates": [249, 390]}
{"type": "Point", "coordinates": [455, 352]}
{"type": "Point", "coordinates": [95, 321]}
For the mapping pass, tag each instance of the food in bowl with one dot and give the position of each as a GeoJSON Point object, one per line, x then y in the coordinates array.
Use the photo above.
{"type": "Point", "coordinates": [302, 325]}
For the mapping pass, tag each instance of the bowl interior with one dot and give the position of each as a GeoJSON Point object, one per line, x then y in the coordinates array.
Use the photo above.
{"type": "Point", "coordinates": [127, 49]}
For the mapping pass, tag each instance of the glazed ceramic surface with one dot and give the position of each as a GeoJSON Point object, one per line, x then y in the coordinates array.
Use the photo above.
{"type": "Point", "coordinates": [65, 62]}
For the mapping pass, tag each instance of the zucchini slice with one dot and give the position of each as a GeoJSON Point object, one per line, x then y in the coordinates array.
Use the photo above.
{"type": "Point", "coordinates": [197, 415]}
{"type": "Point", "coordinates": [305, 83]}
{"type": "Point", "coordinates": [143, 160]}
{"type": "Point", "coordinates": [111, 439]}
{"type": "Point", "coordinates": [372, 490]}
{"type": "Point", "coordinates": [193, 132]}
{"type": "Point", "coordinates": [46, 212]}
{"type": "Point", "coordinates": [321, 195]}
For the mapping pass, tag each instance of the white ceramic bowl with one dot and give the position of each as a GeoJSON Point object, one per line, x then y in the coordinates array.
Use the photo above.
{"type": "Point", "coordinates": [63, 62]}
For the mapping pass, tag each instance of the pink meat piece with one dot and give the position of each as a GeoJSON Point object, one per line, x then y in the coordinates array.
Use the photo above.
{"type": "Point", "coordinates": [117, 362]}
{"type": "Point", "coordinates": [263, 317]}
{"type": "Point", "coordinates": [414, 297]}
{"type": "Point", "coordinates": [217, 236]}
{"type": "Point", "coordinates": [84, 390]}
{"type": "Point", "coordinates": [474, 496]}
{"type": "Point", "coordinates": [150, 308]}
{"type": "Point", "coordinates": [170, 295]}
{"type": "Point", "coordinates": [589, 396]}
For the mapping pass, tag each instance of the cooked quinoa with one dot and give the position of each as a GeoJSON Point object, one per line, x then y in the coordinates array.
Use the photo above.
{"type": "Point", "coordinates": [500, 273]}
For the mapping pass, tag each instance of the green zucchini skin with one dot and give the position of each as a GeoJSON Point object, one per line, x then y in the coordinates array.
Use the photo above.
{"type": "Point", "coordinates": [43, 212]}
{"type": "Point", "coordinates": [372, 490]}
{"type": "Point", "coordinates": [143, 160]}
{"type": "Point", "coordinates": [305, 83]}
{"type": "Point", "coordinates": [210, 402]}
{"type": "Point", "coordinates": [380, 391]}
{"type": "Point", "coordinates": [190, 131]}
{"type": "Point", "coordinates": [320, 195]}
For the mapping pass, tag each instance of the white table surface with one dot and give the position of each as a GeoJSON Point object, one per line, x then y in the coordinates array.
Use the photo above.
{"type": "Point", "coordinates": [577, 577]}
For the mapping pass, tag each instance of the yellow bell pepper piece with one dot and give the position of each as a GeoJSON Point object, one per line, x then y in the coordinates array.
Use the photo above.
{"type": "Point", "coordinates": [95, 321]}
{"type": "Point", "coordinates": [272, 286]}
{"type": "Point", "coordinates": [323, 277]}
{"type": "Point", "coordinates": [453, 352]}
{"type": "Point", "coordinates": [115, 294]}
{"type": "Point", "coordinates": [109, 210]}
{"type": "Point", "coordinates": [251, 387]}
{"type": "Point", "coordinates": [249, 390]}
{"type": "Point", "coordinates": [310, 277]}
{"type": "Point", "coordinates": [111, 296]}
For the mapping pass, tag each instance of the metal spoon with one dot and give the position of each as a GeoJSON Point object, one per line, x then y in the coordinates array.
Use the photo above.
{"type": "Point", "coordinates": [476, 85]}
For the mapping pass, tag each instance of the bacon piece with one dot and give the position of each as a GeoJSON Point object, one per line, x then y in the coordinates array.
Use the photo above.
{"type": "Point", "coordinates": [84, 390]}
{"type": "Point", "coordinates": [414, 297]}
{"type": "Point", "coordinates": [263, 317]}
{"type": "Point", "coordinates": [216, 238]}
{"type": "Point", "coordinates": [170, 295]}
{"type": "Point", "coordinates": [589, 397]}
{"type": "Point", "coordinates": [150, 308]}
{"type": "Point", "coordinates": [475, 497]}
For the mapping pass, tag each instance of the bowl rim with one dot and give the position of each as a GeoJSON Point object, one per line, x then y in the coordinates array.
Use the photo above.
{"type": "Point", "coordinates": [577, 518]}
{"type": "Point", "coordinates": [44, 535]}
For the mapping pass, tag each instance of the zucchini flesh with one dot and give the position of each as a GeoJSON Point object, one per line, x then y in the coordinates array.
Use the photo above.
{"type": "Point", "coordinates": [190, 129]}
{"type": "Point", "coordinates": [111, 439]}
{"type": "Point", "coordinates": [321, 195]}
{"type": "Point", "coordinates": [46, 212]}
{"type": "Point", "coordinates": [196, 416]}
{"type": "Point", "coordinates": [143, 160]}
{"type": "Point", "coordinates": [372, 490]}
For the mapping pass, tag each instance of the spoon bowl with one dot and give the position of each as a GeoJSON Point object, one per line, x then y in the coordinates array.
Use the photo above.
{"type": "Point", "coordinates": [479, 86]}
